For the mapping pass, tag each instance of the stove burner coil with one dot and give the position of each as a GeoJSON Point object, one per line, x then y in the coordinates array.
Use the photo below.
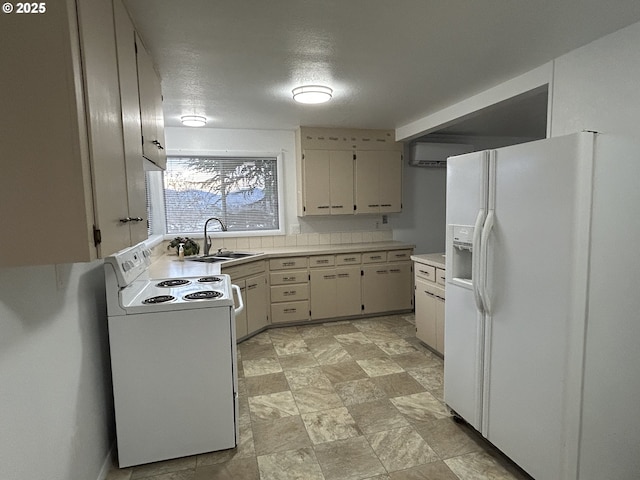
{"type": "Point", "coordinates": [173, 283]}
{"type": "Point", "coordinates": [203, 295]}
{"type": "Point", "coordinates": [158, 299]}
{"type": "Point", "coordinates": [209, 279]}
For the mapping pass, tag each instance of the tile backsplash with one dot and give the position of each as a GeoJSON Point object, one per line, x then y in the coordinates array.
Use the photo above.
{"type": "Point", "coordinates": [299, 240]}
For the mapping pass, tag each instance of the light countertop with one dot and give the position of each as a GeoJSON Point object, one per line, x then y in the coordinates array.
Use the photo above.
{"type": "Point", "coordinates": [433, 259]}
{"type": "Point", "coordinates": [168, 266]}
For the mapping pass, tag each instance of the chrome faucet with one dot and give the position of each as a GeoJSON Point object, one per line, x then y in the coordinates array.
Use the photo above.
{"type": "Point", "coordinates": [207, 239]}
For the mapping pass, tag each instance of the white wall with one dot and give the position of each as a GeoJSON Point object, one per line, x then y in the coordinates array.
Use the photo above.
{"type": "Point", "coordinates": [55, 391]}
{"type": "Point", "coordinates": [596, 87]}
{"type": "Point", "coordinates": [217, 140]}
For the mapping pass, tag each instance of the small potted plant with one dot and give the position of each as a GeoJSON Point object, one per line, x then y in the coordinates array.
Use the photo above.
{"type": "Point", "coordinates": [190, 246]}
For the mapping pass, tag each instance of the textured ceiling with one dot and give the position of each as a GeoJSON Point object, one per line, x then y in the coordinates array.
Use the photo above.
{"type": "Point", "coordinates": [389, 62]}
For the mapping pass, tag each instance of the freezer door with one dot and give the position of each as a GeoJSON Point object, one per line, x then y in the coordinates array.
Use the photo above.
{"type": "Point", "coordinates": [467, 193]}
{"type": "Point", "coordinates": [536, 284]}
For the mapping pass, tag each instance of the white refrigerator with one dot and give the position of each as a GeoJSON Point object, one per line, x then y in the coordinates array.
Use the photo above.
{"type": "Point", "coordinates": [518, 255]}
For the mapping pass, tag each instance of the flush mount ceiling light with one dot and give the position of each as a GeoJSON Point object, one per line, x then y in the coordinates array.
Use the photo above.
{"type": "Point", "coordinates": [193, 120]}
{"type": "Point", "coordinates": [312, 94]}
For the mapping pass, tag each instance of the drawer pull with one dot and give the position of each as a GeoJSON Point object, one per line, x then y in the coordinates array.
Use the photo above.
{"type": "Point", "coordinates": [288, 293]}
{"type": "Point", "coordinates": [385, 205]}
{"type": "Point", "coordinates": [373, 205]}
{"type": "Point", "coordinates": [322, 207]}
{"type": "Point", "coordinates": [376, 257]}
{"type": "Point", "coordinates": [337, 206]}
{"type": "Point", "coordinates": [423, 272]}
{"type": "Point", "coordinates": [328, 277]}
{"type": "Point", "coordinates": [349, 259]}
{"type": "Point", "coordinates": [288, 264]}
{"type": "Point", "coordinates": [290, 310]}
{"type": "Point", "coordinates": [322, 261]}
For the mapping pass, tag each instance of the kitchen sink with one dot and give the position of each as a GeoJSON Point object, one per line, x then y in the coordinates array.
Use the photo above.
{"type": "Point", "coordinates": [223, 256]}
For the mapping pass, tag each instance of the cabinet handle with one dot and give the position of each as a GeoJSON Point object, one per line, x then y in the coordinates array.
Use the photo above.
{"type": "Point", "coordinates": [374, 205]}
{"type": "Point", "coordinates": [385, 205]}
{"type": "Point", "coordinates": [322, 206]}
{"type": "Point", "coordinates": [290, 310]}
{"type": "Point", "coordinates": [328, 277]}
{"type": "Point", "coordinates": [337, 206]}
{"type": "Point", "coordinates": [131, 219]}
{"type": "Point", "coordinates": [427, 274]}
{"type": "Point", "coordinates": [349, 259]}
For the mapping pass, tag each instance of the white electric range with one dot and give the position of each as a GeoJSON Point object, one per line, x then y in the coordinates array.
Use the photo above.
{"type": "Point", "coordinates": [173, 360]}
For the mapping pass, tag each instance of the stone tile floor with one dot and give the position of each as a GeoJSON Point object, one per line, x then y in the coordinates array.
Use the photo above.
{"type": "Point", "coordinates": [351, 400]}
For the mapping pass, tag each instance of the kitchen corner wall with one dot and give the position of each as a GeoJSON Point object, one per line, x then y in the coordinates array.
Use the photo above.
{"type": "Point", "coordinates": [183, 140]}
{"type": "Point", "coordinates": [56, 413]}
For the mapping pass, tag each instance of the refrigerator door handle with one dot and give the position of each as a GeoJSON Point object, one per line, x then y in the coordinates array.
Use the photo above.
{"type": "Point", "coordinates": [475, 262]}
{"type": "Point", "coordinates": [484, 245]}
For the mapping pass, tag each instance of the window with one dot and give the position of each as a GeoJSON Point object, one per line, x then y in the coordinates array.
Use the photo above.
{"type": "Point", "coordinates": [241, 191]}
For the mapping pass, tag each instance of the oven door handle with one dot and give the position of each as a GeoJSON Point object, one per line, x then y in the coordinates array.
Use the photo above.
{"type": "Point", "coordinates": [239, 293]}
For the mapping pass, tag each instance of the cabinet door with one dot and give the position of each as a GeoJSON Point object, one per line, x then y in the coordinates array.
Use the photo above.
{"type": "Point", "coordinates": [390, 182]}
{"type": "Point", "coordinates": [375, 288]}
{"type": "Point", "coordinates": [425, 314]}
{"type": "Point", "coordinates": [102, 101]}
{"type": "Point", "coordinates": [439, 314]}
{"type": "Point", "coordinates": [241, 318]}
{"type": "Point", "coordinates": [323, 293]}
{"type": "Point", "coordinates": [317, 194]}
{"type": "Point", "coordinates": [400, 286]}
{"type": "Point", "coordinates": [130, 106]}
{"type": "Point", "coordinates": [367, 176]}
{"type": "Point", "coordinates": [150, 94]}
{"type": "Point", "coordinates": [348, 291]}
{"type": "Point", "coordinates": [256, 301]}
{"type": "Point", "coordinates": [341, 182]}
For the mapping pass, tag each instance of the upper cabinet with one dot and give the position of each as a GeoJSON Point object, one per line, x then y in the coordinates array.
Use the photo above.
{"type": "Point", "coordinates": [151, 114]}
{"type": "Point", "coordinates": [70, 188]}
{"type": "Point", "coordinates": [348, 171]}
{"type": "Point", "coordinates": [378, 181]}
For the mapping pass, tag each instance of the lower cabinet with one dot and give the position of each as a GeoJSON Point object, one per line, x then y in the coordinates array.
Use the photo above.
{"type": "Point", "coordinates": [429, 299]}
{"type": "Point", "coordinates": [257, 304]}
{"type": "Point", "coordinates": [241, 318]}
{"type": "Point", "coordinates": [251, 278]}
{"type": "Point", "coordinates": [335, 292]}
{"type": "Point", "coordinates": [289, 289]}
{"type": "Point", "coordinates": [386, 287]}
{"type": "Point", "coordinates": [430, 314]}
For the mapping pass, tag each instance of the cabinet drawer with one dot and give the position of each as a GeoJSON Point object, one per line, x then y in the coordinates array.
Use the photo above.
{"type": "Point", "coordinates": [425, 272]}
{"type": "Point", "coordinates": [286, 278]}
{"type": "Point", "coordinates": [431, 289]}
{"type": "Point", "coordinates": [244, 270]}
{"type": "Point", "coordinates": [374, 257]}
{"type": "Point", "coordinates": [398, 255]}
{"type": "Point", "coordinates": [440, 276]}
{"type": "Point", "coordinates": [349, 259]}
{"type": "Point", "coordinates": [287, 263]}
{"type": "Point", "coordinates": [290, 311]}
{"type": "Point", "coordinates": [322, 261]}
{"type": "Point", "coordinates": [288, 293]}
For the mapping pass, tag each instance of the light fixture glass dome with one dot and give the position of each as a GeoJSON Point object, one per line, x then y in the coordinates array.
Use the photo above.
{"type": "Point", "coordinates": [193, 120]}
{"type": "Point", "coordinates": [312, 94]}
